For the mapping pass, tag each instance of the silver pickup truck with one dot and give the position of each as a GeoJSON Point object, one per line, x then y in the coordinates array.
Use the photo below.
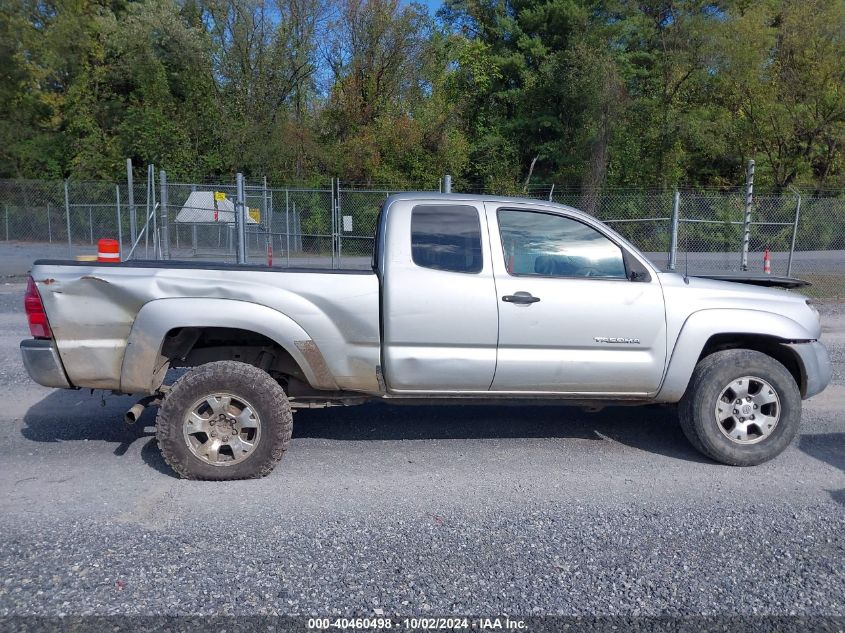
{"type": "Point", "coordinates": [469, 298]}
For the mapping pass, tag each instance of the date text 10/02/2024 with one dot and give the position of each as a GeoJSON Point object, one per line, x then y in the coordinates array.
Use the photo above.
{"type": "Point", "coordinates": [442, 624]}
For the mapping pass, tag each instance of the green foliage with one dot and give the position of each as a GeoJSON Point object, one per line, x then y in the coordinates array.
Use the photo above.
{"type": "Point", "coordinates": [500, 93]}
{"type": "Point", "coordinates": [783, 77]}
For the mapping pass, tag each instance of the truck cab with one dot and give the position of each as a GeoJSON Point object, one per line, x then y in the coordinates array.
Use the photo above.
{"type": "Point", "coordinates": [516, 298]}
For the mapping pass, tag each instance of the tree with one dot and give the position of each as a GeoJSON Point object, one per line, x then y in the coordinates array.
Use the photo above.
{"type": "Point", "coordinates": [265, 63]}
{"type": "Point", "coordinates": [503, 94]}
{"type": "Point", "coordinates": [783, 78]}
{"type": "Point", "coordinates": [146, 92]}
{"type": "Point", "coordinates": [520, 109]}
{"type": "Point", "coordinates": [44, 48]}
{"type": "Point", "coordinates": [388, 115]}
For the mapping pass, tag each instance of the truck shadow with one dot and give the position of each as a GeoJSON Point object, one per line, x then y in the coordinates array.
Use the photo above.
{"type": "Point", "coordinates": [78, 416]}
{"type": "Point", "coordinates": [68, 416]}
{"type": "Point", "coordinates": [828, 448]}
{"type": "Point", "coordinates": [653, 429]}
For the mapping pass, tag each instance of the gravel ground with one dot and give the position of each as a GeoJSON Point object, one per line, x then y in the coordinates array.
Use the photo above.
{"type": "Point", "coordinates": [418, 511]}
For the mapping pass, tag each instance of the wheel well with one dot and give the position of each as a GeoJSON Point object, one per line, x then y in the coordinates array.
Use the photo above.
{"type": "Point", "coordinates": [192, 346]}
{"type": "Point", "coordinates": [769, 345]}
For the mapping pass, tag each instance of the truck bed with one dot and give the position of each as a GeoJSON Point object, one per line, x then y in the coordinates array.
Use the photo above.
{"type": "Point", "coordinates": [93, 307]}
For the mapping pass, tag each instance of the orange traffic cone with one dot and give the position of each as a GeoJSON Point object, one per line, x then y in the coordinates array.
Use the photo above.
{"type": "Point", "coordinates": [767, 263]}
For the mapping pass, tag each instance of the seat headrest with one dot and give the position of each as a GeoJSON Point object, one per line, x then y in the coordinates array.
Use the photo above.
{"type": "Point", "coordinates": [554, 266]}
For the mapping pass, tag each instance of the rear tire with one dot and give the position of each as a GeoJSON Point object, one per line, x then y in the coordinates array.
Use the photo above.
{"type": "Point", "coordinates": [741, 408]}
{"type": "Point", "coordinates": [224, 420]}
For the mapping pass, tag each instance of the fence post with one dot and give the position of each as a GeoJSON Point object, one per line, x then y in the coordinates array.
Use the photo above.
{"type": "Point", "coordinates": [165, 225]}
{"type": "Point", "coordinates": [240, 218]}
{"type": "Point", "coordinates": [147, 219]}
{"type": "Point", "coordinates": [156, 240]}
{"type": "Point", "coordinates": [271, 201]}
{"type": "Point", "coordinates": [67, 218]}
{"type": "Point", "coordinates": [194, 229]}
{"type": "Point", "coordinates": [151, 215]}
{"type": "Point", "coordinates": [268, 245]}
{"type": "Point", "coordinates": [749, 198]}
{"type": "Point", "coordinates": [6, 206]}
{"type": "Point", "coordinates": [334, 223]}
{"type": "Point", "coordinates": [794, 233]}
{"type": "Point", "coordinates": [297, 229]}
{"type": "Point", "coordinates": [49, 226]}
{"type": "Point", "coordinates": [271, 210]}
{"type": "Point", "coordinates": [130, 200]}
{"type": "Point", "coordinates": [339, 228]}
{"type": "Point", "coordinates": [119, 227]}
{"type": "Point", "coordinates": [287, 227]}
{"type": "Point", "coordinates": [447, 183]}
{"type": "Point", "coordinates": [673, 239]}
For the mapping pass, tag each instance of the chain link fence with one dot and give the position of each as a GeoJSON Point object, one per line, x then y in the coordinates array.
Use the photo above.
{"type": "Point", "coordinates": [334, 226]}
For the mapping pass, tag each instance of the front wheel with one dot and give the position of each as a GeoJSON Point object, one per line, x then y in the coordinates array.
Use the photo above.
{"type": "Point", "coordinates": [741, 407]}
{"type": "Point", "coordinates": [224, 420]}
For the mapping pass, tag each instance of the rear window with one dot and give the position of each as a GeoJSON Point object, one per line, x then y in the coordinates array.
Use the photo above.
{"type": "Point", "coordinates": [446, 238]}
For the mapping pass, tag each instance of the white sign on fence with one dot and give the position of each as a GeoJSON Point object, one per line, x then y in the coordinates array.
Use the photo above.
{"type": "Point", "coordinates": [347, 223]}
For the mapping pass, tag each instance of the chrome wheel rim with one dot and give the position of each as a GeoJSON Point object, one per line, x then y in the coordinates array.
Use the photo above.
{"type": "Point", "coordinates": [748, 410]}
{"type": "Point", "coordinates": [222, 429]}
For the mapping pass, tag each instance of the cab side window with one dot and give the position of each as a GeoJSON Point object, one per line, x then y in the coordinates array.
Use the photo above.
{"type": "Point", "coordinates": [446, 238]}
{"type": "Point", "coordinates": [548, 245]}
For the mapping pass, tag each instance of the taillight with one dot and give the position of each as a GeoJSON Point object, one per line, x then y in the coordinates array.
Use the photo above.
{"type": "Point", "coordinates": [38, 325]}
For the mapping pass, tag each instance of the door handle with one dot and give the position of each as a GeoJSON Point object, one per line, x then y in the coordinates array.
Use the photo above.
{"type": "Point", "coordinates": [522, 298]}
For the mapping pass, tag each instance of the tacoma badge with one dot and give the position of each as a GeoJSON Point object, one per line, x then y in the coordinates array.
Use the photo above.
{"type": "Point", "coordinates": [605, 339]}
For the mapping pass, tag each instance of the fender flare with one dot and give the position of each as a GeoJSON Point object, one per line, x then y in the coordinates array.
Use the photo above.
{"type": "Point", "coordinates": [144, 367]}
{"type": "Point", "coordinates": [700, 326]}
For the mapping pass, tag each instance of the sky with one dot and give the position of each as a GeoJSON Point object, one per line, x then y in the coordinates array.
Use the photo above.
{"type": "Point", "coordinates": [432, 5]}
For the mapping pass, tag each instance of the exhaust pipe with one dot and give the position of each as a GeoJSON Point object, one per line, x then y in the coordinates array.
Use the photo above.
{"type": "Point", "coordinates": [137, 409]}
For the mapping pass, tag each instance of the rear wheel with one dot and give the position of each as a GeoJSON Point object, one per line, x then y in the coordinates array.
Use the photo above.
{"type": "Point", "coordinates": [741, 407]}
{"type": "Point", "coordinates": [224, 420]}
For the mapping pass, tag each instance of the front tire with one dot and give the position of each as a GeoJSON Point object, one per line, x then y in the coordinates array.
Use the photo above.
{"type": "Point", "coordinates": [741, 408]}
{"type": "Point", "coordinates": [224, 420]}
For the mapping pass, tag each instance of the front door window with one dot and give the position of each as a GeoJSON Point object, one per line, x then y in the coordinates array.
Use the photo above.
{"type": "Point", "coordinates": [549, 245]}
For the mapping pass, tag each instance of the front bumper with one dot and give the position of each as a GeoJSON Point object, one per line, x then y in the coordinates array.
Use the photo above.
{"type": "Point", "coordinates": [817, 368]}
{"type": "Point", "coordinates": [41, 359]}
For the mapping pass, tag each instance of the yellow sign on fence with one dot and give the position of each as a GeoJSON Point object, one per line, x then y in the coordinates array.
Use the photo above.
{"type": "Point", "coordinates": [219, 196]}
{"type": "Point", "coordinates": [255, 214]}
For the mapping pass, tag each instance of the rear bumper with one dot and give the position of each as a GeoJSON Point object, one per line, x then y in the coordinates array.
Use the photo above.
{"type": "Point", "coordinates": [817, 368]}
{"type": "Point", "coordinates": [41, 359]}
